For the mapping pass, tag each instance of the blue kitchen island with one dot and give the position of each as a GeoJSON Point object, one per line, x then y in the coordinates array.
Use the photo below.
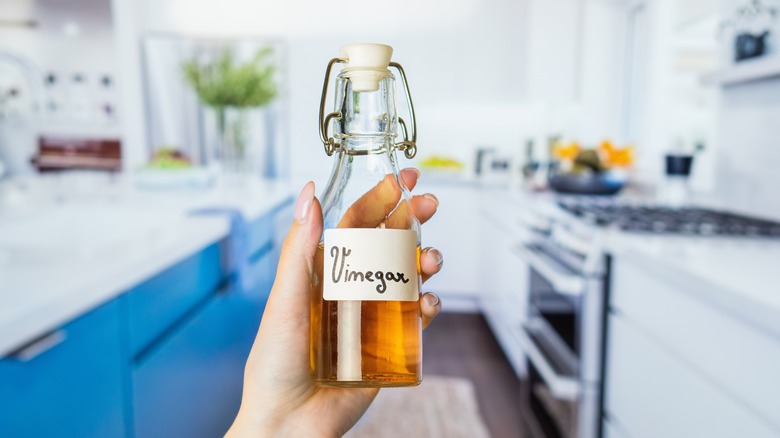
{"type": "Point", "coordinates": [144, 335]}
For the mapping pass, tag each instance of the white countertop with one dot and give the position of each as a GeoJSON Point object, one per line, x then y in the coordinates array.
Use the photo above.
{"type": "Point", "coordinates": [739, 275]}
{"type": "Point", "coordinates": [63, 253]}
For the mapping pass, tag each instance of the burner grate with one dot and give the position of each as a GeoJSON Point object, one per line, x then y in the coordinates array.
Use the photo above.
{"type": "Point", "coordinates": [663, 220]}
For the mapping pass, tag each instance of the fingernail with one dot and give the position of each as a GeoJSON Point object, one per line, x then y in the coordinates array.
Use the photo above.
{"type": "Point", "coordinates": [431, 299]}
{"type": "Point", "coordinates": [412, 169]}
{"type": "Point", "coordinates": [415, 170]}
{"type": "Point", "coordinates": [432, 198]}
{"type": "Point", "coordinates": [435, 255]}
{"type": "Point", "coordinates": [303, 204]}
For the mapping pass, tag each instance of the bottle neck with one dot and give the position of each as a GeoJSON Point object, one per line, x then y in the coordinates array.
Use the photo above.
{"type": "Point", "coordinates": [359, 164]}
{"type": "Point", "coordinates": [368, 119]}
{"type": "Point", "coordinates": [366, 144]}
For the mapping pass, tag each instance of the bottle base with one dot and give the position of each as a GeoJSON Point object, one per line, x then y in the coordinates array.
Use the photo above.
{"type": "Point", "coordinates": [378, 381]}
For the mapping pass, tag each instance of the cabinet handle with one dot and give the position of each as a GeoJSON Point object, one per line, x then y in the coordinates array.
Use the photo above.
{"type": "Point", "coordinates": [224, 288]}
{"type": "Point", "coordinates": [571, 242]}
{"type": "Point", "coordinates": [535, 222]}
{"type": "Point", "coordinates": [39, 346]}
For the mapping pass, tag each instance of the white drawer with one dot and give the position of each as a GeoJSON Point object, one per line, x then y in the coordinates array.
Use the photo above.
{"type": "Point", "coordinates": [652, 393]}
{"type": "Point", "coordinates": [505, 332]}
{"type": "Point", "coordinates": [742, 360]}
{"type": "Point", "coordinates": [612, 430]}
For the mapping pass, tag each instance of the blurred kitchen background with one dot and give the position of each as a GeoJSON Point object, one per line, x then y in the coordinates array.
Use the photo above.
{"type": "Point", "coordinates": [606, 169]}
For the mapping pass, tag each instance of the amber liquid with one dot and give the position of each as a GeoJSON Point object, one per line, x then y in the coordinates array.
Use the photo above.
{"type": "Point", "coordinates": [390, 337]}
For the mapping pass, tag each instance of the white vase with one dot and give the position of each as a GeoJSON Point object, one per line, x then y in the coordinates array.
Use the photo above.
{"type": "Point", "coordinates": [244, 140]}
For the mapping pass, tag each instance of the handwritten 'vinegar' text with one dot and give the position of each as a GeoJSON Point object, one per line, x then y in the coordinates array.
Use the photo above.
{"type": "Point", "coordinates": [341, 271]}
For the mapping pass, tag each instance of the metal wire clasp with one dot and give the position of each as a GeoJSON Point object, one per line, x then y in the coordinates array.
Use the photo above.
{"type": "Point", "coordinates": [408, 145]}
{"type": "Point", "coordinates": [331, 145]}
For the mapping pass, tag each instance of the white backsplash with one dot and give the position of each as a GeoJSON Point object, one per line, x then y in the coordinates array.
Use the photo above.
{"type": "Point", "coordinates": [748, 170]}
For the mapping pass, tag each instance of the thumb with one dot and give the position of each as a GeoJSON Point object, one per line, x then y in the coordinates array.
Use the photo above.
{"type": "Point", "coordinates": [287, 310]}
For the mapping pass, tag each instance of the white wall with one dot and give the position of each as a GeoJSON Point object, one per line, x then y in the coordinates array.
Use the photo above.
{"type": "Point", "coordinates": [675, 47]}
{"type": "Point", "coordinates": [749, 163]}
{"type": "Point", "coordinates": [748, 168]}
{"type": "Point", "coordinates": [479, 73]}
{"type": "Point", "coordinates": [49, 47]}
{"type": "Point", "coordinates": [489, 73]}
{"type": "Point", "coordinates": [454, 52]}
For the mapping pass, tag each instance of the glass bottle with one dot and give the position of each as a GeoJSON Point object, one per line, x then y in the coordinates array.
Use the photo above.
{"type": "Point", "coordinates": [366, 327]}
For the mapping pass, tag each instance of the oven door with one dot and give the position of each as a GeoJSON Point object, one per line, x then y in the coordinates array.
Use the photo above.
{"type": "Point", "coordinates": [562, 389]}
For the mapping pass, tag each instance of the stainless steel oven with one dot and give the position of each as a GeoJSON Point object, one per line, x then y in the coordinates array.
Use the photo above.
{"type": "Point", "coordinates": [564, 334]}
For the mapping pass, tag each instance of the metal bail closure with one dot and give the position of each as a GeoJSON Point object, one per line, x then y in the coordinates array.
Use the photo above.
{"type": "Point", "coordinates": [331, 145]}
{"type": "Point", "coordinates": [408, 145]}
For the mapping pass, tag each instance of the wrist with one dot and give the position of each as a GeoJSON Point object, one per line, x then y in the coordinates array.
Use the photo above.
{"type": "Point", "coordinates": [251, 426]}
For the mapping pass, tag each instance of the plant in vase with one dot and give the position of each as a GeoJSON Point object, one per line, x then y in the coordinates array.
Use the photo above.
{"type": "Point", "coordinates": [232, 90]}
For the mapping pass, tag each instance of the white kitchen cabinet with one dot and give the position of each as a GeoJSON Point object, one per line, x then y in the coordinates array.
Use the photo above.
{"type": "Point", "coordinates": [454, 231]}
{"type": "Point", "coordinates": [611, 430]}
{"type": "Point", "coordinates": [654, 393]}
{"type": "Point", "coordinates": [681, 366]}
{"type": "Point", "coordinates": [504, 275]}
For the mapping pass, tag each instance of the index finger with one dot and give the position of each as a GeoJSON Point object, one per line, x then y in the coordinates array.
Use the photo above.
{"type": "Point", "coordinates": [372, 208]}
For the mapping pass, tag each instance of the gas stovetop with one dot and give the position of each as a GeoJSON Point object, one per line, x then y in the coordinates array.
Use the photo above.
{"type": "Point", "coordinates": [664, 220]}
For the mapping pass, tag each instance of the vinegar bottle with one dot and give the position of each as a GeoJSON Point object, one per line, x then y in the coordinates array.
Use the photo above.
{"type": "Point", "coordinates": [366, 327]}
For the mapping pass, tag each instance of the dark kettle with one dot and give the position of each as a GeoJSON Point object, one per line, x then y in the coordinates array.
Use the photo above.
{"type": "Point", "coordinates": [748, 45]}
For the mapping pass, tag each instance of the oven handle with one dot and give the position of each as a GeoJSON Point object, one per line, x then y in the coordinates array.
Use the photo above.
{"type": "Point", "coordinates": [570, 241]}
{"type": "Point", "coordinates": [536, 222]}
{"type": "Point", "coordinates": [562, 387]}
{"type": "Point", "coordinates": [563, 282]}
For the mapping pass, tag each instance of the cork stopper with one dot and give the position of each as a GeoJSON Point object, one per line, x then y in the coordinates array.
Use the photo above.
{"type": "Point", "coordinates": [366, 65]}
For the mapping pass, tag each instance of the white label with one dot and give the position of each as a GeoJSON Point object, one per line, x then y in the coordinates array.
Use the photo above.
{"type": "Point", "coordinates": [370, 264]}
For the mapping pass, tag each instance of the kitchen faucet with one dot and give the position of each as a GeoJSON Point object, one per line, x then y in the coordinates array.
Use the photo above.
{"type": "Point", "coordinates": [29, 73]}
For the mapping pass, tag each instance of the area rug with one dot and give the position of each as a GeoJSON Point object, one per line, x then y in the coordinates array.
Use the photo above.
{"type": "Point", "coordinates": [441, 407]}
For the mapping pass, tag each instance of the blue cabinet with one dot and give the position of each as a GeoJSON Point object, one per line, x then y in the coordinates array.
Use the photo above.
{"type": "Point", "coordinates": [190, 385]}
{"type": "Point", "coordinates": [261, 271]}
{"type": "Point", "coordinates": [264, 241]}
{"type": "Point", "coordinates": [187, 381]}
{"type": "Point", "coordinates": [156, 304]}
{"type": "Point", "coordinates": [68, 383]}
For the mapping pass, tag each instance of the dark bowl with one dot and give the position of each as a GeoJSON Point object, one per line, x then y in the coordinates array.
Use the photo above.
{"type": "Point", "coordinates": [586, 184]}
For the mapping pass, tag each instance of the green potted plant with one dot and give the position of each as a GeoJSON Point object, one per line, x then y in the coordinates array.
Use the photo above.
{"type": "Point", "coordinates": [232, 89]}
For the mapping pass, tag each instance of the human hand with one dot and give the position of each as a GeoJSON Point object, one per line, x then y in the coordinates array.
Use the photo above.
{"type": "Point", "coordinates": [280, 397]}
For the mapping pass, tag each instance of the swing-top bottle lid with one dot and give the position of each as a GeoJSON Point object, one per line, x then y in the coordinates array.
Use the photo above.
{"type": "Point", "coordinates": [366, 65]}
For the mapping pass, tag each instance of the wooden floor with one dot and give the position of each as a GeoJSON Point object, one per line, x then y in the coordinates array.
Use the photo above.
{"type": "Point", "coordinates": [462, 345]}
